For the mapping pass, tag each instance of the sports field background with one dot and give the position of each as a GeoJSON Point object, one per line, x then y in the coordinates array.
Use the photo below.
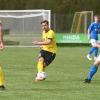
{"type": "Point", "coordinates": [64, 81]}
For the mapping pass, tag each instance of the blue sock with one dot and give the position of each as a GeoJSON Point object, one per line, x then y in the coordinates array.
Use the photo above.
{"type": "Point", "coordinates": [96, 52]}
{"type": "Point", "coordinates": [93, 70]}
{"type": "Point", "coordinates": [91, 50]}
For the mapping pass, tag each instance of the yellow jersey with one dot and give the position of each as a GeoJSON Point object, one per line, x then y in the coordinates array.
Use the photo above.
{"type": "Point", "coordinates": [52, 47]}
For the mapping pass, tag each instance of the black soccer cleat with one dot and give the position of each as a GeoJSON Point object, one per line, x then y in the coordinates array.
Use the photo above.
{"type": "Point", "coordinates": [87, 81]}
{"type": "Point", "coordinates": [2, 87]}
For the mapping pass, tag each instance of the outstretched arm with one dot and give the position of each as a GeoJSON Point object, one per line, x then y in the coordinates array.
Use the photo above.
{"type": "Point", "coordinates": [45, 42]}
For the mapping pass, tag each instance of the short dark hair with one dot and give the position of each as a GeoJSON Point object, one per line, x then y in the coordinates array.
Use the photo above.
{"type": "Point", "coordinates": [45, 21]}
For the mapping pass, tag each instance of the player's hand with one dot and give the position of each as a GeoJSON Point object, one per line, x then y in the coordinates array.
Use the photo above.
{"type": "Point", "coordinates": [96, 45]}
{"type": "Point", "coordinates": [1, 46]}
{"type": "Point", "coordinates": [35, 42]}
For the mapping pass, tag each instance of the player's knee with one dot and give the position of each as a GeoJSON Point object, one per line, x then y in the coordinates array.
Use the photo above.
{"type": "Point", "coordinates": [41, 59]}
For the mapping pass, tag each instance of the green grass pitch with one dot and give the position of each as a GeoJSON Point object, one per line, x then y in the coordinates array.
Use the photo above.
{"type": "Point", "coordinates": [64, 81]}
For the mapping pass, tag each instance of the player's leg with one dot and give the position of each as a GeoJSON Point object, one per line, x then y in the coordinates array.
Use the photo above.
{"type": "Point", "coordinates": [41, 61]}
{"type": "Point", "coordinates": [95, 53]}
{"type": "Point", "coordinates": [96, 50]}
{"type": "Point", "coordinates": [40, 65]}
{"type": "Point", "coordinates": [90, 52]}
{"type": "Point", "coordinates": [93, 49]}
{"type": "Point", "coordinates": [93, 70]}
{"type": "Point", "coordinates": [40, 69]}
{"type": "Point", "coordinates": [1, 79]}
{"type": "Point", "coordinates": [44, 60]}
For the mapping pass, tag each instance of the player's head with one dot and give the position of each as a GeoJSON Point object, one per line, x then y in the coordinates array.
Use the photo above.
{"type": "Point", "coordinates": [45, 25]}
{"type": "Point", "coordinates": [96, 18]}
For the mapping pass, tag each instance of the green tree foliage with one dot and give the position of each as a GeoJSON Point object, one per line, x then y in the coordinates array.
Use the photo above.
{"type": "Point", "coordinates": [57, 6]}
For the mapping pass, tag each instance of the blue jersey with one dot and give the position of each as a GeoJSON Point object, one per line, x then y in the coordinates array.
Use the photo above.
{"type": "Point", "coordinates": [94, 30]}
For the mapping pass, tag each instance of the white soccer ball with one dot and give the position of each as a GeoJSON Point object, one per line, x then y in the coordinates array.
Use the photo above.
{"type": "Point", "coordinates": [41, 76]}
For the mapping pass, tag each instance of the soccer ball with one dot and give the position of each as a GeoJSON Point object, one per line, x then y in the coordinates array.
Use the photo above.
{"type": "Point", "coordinates": [41, 76]}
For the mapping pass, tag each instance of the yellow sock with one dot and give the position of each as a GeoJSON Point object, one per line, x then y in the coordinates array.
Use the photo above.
{"type": "Point", "coordinates": [40, 66]}
{"type": "Point", "coordinates": [1, 77]}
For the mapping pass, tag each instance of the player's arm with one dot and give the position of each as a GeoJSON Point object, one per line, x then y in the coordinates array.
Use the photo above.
{"type": "Point", "coordinates": [89, 30]}
{"type": "Point", "coordinates": [88, 34]}
{"type": "Point", "coordinates": [1, 37]}
{"type": "Point", "coordinates": [44, 42]}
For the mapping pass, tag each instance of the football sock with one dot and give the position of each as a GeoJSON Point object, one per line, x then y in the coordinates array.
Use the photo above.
{"type": "Point", "coordinates": [93, 70]}
{"type": "Point", "coordinates": [91, 50]}
{"type": "Point", "coordinates": [96, 52]}
{"type": "Point", "coordinates": [40, 66]}
{"type": "Point", "coordinates": [1, 77]}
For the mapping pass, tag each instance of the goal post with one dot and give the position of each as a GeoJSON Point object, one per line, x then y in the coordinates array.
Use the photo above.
{"type": "Point", "coordinates": [81, 21]}
{"type": "Point", "coordinates": [23, 25]}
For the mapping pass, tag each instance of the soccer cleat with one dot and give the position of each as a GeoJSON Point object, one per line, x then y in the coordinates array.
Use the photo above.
{"type": "Point", "coordinates": [2, 87]}
{"type": "Point", "coordinates": [87, 81]}
{"type": "Point", "coordinates": [89, 58]}
{"type": "Point", "coordinates": [39, 79]}
{"type": "Point", "coordinates": [40, 76]}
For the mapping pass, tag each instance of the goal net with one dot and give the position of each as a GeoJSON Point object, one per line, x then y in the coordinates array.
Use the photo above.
{"type": "Point", "coordinates": [22, 26]}
{"type": "Point", "coordinates": [81, 21]}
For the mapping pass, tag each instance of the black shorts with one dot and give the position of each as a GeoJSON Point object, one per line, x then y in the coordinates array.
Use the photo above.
{"type": "Point", "coordinates": [48, 56]}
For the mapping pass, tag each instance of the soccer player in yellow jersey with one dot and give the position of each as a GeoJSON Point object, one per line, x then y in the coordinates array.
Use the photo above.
{"type": "Point", "coordinates": [1, 48]}
{"type": "Point", "coordinates": [48, 50]}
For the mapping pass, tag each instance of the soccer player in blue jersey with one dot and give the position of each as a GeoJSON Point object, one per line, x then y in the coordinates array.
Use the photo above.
{"type": "Point", "coordinates": [93, 31]}
{"type": "Point", "coordinates": [94, 67]}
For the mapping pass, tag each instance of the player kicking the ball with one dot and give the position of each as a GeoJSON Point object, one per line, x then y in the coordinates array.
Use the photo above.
{"type": "Point", "coordinates": [47, 52]}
